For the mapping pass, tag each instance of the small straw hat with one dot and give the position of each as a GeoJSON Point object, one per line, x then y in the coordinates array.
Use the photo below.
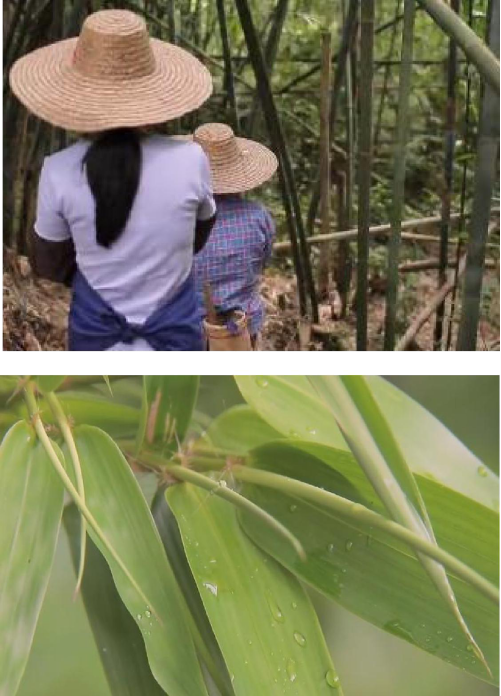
{"type": "Point", "coordinates": [237, 164]}
{"type": "Point", "coordinates": [113, 75]}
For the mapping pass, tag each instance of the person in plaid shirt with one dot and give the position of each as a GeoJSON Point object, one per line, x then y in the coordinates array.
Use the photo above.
{"type": "Point", "coordinates": [240, 243]}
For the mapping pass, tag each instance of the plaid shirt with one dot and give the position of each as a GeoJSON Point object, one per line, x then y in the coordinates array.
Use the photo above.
{"type": "Point", "coordinates": [234, 257]}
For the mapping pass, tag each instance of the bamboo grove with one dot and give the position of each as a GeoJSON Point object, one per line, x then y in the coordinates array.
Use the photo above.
{"type": "Point", "coordinates": [345, 95]}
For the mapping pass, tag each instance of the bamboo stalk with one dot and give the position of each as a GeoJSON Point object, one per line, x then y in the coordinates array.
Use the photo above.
{"type": "Point", "coordinates": [485, 60]}
{"type": "Point", "coordinates": [324, 264]}
{"type": "Point", "coordinates": [229, 80]}
{"type": "Point", "coordinates": [384, 230]}
{"type": "Point", "coordinates": [450, 143]}
{"type": "Point", "coordinates": [293, 210]}
{"type": "Point", "coordinates": [279, 15]}
{"type": "Point", "coordinates": [339, 76]}
{"type": "Point", "coordinates": [462, 197]}
{"type": "Point", "coordinates": [398, 184]}
{"type": "Point", "coordinates": [432, 305]}
{"type": "Point", "coordinates": [364, 165]}
{"type": "Point", "coordinates": [386, 76]}
{"type": "Point", "coordinates": [485, 176]}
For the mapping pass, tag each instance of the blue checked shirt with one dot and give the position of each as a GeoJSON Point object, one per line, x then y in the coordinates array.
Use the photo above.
{"type": "Point", "coordinates": [233, 259]}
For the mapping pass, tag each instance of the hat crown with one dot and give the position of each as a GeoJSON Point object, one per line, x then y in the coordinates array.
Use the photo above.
{"type": "Point", "coordinates": [114, 45]}
{"type": "Point", "coordinates": [219, 141]}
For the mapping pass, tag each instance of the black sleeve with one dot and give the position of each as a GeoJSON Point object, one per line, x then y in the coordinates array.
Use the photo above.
{"type": "Point", "coordinates": [54, 261]}
{"type": "Point", "coordinates": [202, 232]}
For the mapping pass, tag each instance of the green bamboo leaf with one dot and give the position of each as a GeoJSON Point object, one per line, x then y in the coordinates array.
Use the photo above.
{"type": "Point", "coordinates": [49, 383]}
{"type": "Point", "coordinates": [239, 429]}
{"type": "Point", "coordinates": [31, 504]}
{"type": "Point", "coordinates": [368, 571]}
{"type": "Point", "coordinates": [205, 639]}
{"type": "Point", "coordinates": [263, 620]}
{"type": "Point", "coordinates": [429, 448]}
{"type": "Point", "coordinates": [117, 419]}
{"type": "Point", "coordinates": [371, 440]}
{"type": "Point", "coordinates": [168, 403]}
{"type": "Point", "coordinates": [115, 500]}
{"type": "Point", "coordinates": [118, 639]}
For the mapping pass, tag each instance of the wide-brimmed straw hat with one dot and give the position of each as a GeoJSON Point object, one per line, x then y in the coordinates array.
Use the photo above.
{"type": "Point", "coordinates": [113, 75]}
{"type": "Point", "coordinates": [237, 164]}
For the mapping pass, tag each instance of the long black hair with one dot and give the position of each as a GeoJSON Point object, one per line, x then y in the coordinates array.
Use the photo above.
{"type": "Point", "coordinates": [113, 168]}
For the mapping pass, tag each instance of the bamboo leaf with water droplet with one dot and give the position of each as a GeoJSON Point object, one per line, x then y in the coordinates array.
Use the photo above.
{"type": "Point", "coordinates": [371, 440]}
{"type": "Point", "coordinates": [140, 569]}
{"type": "Point", "coordinates": [369, 571]}
{"type": "Point", "coordinates": [168, 403]}
{"type": "Point", "coordinates": [118, 639]}
{"type": "Point", "coordinates": [31, 501]}
{"type": "Point", "coordinates": [262, 618]}
{"type": "Point", "coordinates": [205, 640]}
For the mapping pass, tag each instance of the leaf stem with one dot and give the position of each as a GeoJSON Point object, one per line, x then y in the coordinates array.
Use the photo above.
{"type": "Point", "coordinates": [64, 426]}
{"type": "Point", "coordinates": [360, 513]}
{"type": "Point", "coordinates": [217, 488]}
{"type": "Point", "coordinates": [79, 502]}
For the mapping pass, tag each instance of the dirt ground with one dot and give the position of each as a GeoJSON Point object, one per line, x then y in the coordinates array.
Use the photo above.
{"type": "Point", "coordinates": [35, 314]}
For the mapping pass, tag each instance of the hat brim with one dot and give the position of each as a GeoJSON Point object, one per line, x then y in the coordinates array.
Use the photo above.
{"type": "Point", "coordinates": [48, 84]}
{"type": "Point", "coordinates": [254, 168]}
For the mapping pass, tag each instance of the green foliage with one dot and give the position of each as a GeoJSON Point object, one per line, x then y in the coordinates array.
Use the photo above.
{"type": "Point", "coordinates": [203, 594]}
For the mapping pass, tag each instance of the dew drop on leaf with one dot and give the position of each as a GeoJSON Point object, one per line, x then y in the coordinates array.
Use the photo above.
{"type": "Point", "coordinates": [147, 613]}
{"type": "Point", "coordinates": [139, 617]}
{"type": "Point", "coordinates": [449, 639]}
{"type": "Point", "coordinates": [330, 548]}
{"type": "Point", "coordinates": [262, 382]}
{"type": "Point", "coordinates": [348, 546]}
{"type": "Point", "coordinates": [332, 679]}
{"type": "Point", "coordinates": [293, 508]}
{"type": "Point", "coordinates": [482, 471]}
{"type": "Point", "coordinates": [275, 609]}
{"type": "Point", "coordinates": [291, 670]}
{"type": "Point", "coordinates": [300, 639]}
{"type": "Point", "coordinates": [211, 587]}
{"type": "Point", "coordinates": [311, 430]}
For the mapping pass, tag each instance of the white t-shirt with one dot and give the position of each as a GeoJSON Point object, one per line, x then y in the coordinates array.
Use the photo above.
{"type": "Point", "coordinates": [154, 254]}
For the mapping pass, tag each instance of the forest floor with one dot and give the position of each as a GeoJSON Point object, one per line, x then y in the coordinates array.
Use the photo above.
{"type": "Point", "coordinates": [35, 313]}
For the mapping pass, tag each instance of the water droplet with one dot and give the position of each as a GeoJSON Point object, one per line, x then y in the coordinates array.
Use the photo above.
{"type": "Point", "coordinates": [439, 633]}
{"type": "Point", "coordinates": [293, 508]}
{"type": "Point", "coordinates": [330, 548]}
{"type": "Point", "coordinates": [311, 430]}
{"type": "Point", "coordinates": [332, 679]}
{"type": "Point", "coordinates": [428, 640]}
{"type": "Point", "coordinates": [348, 546]}
{"type": "Point", "coordinates": [211, 587]}
{"type": "Point", "coordinates": [469, 647]}
{"type": "Point", "coordinates": [397, 629]}
{"type": "Point", "coordinates": [250, 642]}
{"type": "Point", "coordinates": [300, 639]}
{"type": "Point", "coordinates": [139, 617]}
{"type": "Point", "coordinates": [222, 483]}
{"type": "Point", "coordinates": [294, 605]}
{"type": "Point", "coordinates": [293, 433]}
{"type": "Point", "coordinates": [147, 613]}
{"type": "Point", "coordinates": [275, 609]}
{"type": "Point", "coordinates": [291, 670]}
{"type": "Point", "coordinates": [449, 639]}
{"type": "Point", "coordinates": [212, 560]}
{"type": "Point", "coordinates": [262, 382]}
{"type": "Point", "coordinates": [482, 471]}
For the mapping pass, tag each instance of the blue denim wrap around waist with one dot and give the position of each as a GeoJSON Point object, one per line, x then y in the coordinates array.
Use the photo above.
{"type": "Point", "coordinates": [95, 325]}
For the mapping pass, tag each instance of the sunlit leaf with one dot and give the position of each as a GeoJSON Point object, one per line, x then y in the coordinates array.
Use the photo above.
{"type": "Point", "coordinates": [205, 641]}
{"type": "Point", "coordinates": [264, 623]}
{"type": "Point", "coordinates": [291, 406]}
{"type": "Point", "coordinates": [118, 639]}
{"type": "Point", "coordinates": [31, 503]}
{"type": "Point", "coordinates": [168, 403]}
{"type": "Point", "coordinates": [369, 572]}
{"type": "Point", "coordinates": [115, 500]}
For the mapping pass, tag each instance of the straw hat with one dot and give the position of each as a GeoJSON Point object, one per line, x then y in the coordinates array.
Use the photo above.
{"type": "Point", "coordinates": [113, 75]}
{"type": "Point", "coordinates": [237, 164]}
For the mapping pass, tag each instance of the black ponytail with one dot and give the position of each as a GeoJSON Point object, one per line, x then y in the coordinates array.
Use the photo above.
{"type": "Point", "coordinates": [113, 167]}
